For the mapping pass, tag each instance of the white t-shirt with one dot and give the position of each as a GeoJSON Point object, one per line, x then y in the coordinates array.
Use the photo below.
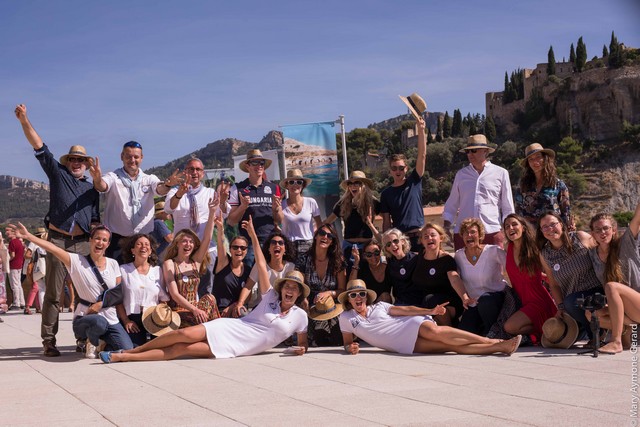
{"type": "Point", "coordinates": [118, 210]}
{"type": "Point", "coordinates": [300, 226]}
{"type": "Point", "coordinates": [140, 290]}
{"type": "Point", "coordinates": [262, 329]}
{"type": "Point", "coordinates": [89, 288]}
{"type": "Point", "coordinates": [380, 329]}
{"type": "Point", "coordinates": [486, 275]}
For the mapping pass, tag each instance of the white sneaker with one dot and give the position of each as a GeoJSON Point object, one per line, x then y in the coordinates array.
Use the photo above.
{"type": "Point", "coordinates": [90, 350]}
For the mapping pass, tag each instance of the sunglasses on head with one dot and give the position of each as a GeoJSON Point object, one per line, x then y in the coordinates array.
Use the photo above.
{"type": "Point", "coordinates": [132, 144]}
{"type": "Point", "coordinates": [323, 233]}
{"type": "Point", "coordinates": [277, 243]}
{"type": "Point", "coordinates": [394, 242]}
{"type": "Point", "coordinates": [256, 162]}
{"type": "Point", "coordinates": [397, 168]}
{"type": "Point", "coordinates": [239, 247]}
{"type": "Point", "coordinates": [370, 254]}
{"type": "Point", "coordinates": [295, 182]}
{"type": "Point", "coordinates": [354, 295]}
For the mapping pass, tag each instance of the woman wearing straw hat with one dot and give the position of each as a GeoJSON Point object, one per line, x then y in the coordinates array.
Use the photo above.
{"type": "Point", "coordinates": [407, 329]}
{"type": "Point", "coordinates": [301, 214]}
{"type": "Point", "coordinates": [276, 318]}
{"type": "Point", "coordinates": [357, 207]}
{"type": "Point", "coordinates": [540, 189]}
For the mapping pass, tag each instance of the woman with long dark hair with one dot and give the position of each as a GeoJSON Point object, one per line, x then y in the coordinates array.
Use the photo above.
{"type": "Point", "coordinates": [373, 271]}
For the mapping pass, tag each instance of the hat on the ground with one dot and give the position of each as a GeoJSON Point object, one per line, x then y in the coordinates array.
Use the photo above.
{"type": "Point", "coordinates": [325, 309]}
{"type": "Point", "coordinates": [158, 207]}
{"type": "Point", "coordinates": [40, 231]}
{"type": "Point", "coordinates": [559, 332]}
{"type": "Point", "coordinates": [537, 148]}
{"type": "Point", "coordinates": [294, 276]}
{"type": "Point", "coordinates": [357, 285]}
{"type": "Point", "coordinates": [293, 174]}
{"type": "Point", "coordinates": [74, 151]}
{"type": "Point", "coordinates": [254, 155]}
{"type": "Point", "coordinates": [160, 319]}
{"type": "Point", "coordinates": [416, 104]}
{"type": "Point", "coordinates": [477, 141]}
{"type": "Point", "coordinates": [357, 176]}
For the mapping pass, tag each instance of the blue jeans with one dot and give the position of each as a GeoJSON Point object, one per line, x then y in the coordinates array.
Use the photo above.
{"type": "Point", "coordinates": [95, 328]}
{"type": "Point", "coordinates": [578, 313]}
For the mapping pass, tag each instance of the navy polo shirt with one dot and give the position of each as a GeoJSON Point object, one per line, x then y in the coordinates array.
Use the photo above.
{"type": "Point", "coordinates": [260, 207]}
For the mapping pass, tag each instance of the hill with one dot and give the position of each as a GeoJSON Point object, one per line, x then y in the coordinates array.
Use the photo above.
{"type": "Point", "coordinates": [23, 200]}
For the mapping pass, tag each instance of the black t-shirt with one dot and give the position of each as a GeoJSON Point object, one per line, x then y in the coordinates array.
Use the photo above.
{"type": "Point", "coordinates": [227, 286]}
{"type": "Point", "coordinates": [400, 272]}
{"type": "Point", "coordinates": [355, 226]}
{"type": "Point", "coordinates": [431, 275]}
{"type": "Point", "coordinates": [366, 275]}
{"type": "Point", "coordinates": [404, 203]}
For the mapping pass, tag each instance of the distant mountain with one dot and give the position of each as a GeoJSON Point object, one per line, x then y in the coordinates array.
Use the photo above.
{"type": "Point", "coordinates": [23, 200]}
{"type": "Point", "coordinates": [394, 123]}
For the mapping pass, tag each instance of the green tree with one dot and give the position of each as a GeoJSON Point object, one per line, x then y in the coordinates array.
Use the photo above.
{"type": "Point", "coordinates": [572, 54]}
{"type": "Point", "coordinates": [473, 128]}
{"type": "Point", "coordinates": [605, 52]}
{"type": "Point", "coordinates": [439, 130]}
{"type": "Point", "coordinates": [616, 58]}
{"type": "Point", "coordinates": [551, 62]}
{"type": "Point", "coordinates": [456, 127]}
{"type": "Point", "coordinates": [429, 136]}
{"type": "Point", "coordinates": [569, 151]}
{"type": "Point", "coordinates": [581, 55]}
{"type": "Point", "coordinates": [447, 124]}
{"type": "Point", "coordinates": [490, 129]}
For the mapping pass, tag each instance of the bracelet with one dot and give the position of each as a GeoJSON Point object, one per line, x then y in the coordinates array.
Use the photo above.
{"type": "Point", "coordinates": [355, 268]}
{"type": "Point", "coordinates": [176, 196]}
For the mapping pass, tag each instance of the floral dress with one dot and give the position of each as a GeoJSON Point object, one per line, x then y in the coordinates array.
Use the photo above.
{"type": "Point", "coordinates": [187, 283]}
{"type": "Point", "coordinates": [532, 204]}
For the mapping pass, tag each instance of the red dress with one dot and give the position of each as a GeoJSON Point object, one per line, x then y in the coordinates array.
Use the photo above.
{"type": "Point", "coordinates": [537, 303]}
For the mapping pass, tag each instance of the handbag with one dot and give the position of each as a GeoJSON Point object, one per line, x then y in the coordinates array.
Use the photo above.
{"type": "Point", "coordinates": [111, 296]}
{"type": "Point", "coordinates": [39, 266]}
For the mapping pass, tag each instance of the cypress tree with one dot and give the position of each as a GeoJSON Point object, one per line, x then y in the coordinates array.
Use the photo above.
{"type": "Point", "coordinates": [429, 136]}
{"type": "Point", "coordinates": [572, 54]}
{"type": "Point", "coordinates": [456, 127]}
{"type": "Point", "coordinates": [447, 124]}
{"type": "Point", "coordinates": [490, 129]}
{"type": "Point", "coordinates": [605, 52]}
{"type": "Point", "coordinates": [439, 130]}
{"type": "Point", "coordinates": [551, 62]}
{"type": "Point", "coordinates": [581, 55]}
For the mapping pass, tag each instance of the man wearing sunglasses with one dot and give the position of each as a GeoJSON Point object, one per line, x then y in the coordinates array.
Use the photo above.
{"type": "Point", "coordinates": [480, 190]}
{"type": "Point", "coordinates": [401, 202]}
{"type": "Point", "coordinates": [73, 208]}
{"type": "Point", "coordinates": [257, 197]}
{"type": "Point", "coordinates": [128, 196]}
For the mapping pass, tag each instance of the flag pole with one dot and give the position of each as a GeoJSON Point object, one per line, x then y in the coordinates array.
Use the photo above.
{"type": "Point", "coordinates": [344, 147]}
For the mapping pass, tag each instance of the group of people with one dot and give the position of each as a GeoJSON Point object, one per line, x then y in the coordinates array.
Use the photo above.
{"type": "Point", "coordinates": [289, 276]}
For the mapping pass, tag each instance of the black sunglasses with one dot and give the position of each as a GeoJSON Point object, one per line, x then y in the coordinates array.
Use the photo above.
{"type": "Point", "coordinates": [323, 233]}
{"type": "Point", "coordinates": [354, 295]}
{"type": "Point", "coordinates": [295, 182]}
{"type": "Point", "coordinates": [370, 254]}
{"type": "Point", "coordinates": [397, 168]}
{"type": "Point", "coordinates": [239, 247]}
{"type": "Point", "coordinates": [256, 162]}
{"type": "Point", "coordinates": [132, 144]}
{"type": "Point", "coordinates": [277, 242]}
{"type": "Point", "coordinates": [473, 150]}
{"type": "Point", "coordinates": [356, 183]}
{"type": "Point", "coordinates": [394, 241]}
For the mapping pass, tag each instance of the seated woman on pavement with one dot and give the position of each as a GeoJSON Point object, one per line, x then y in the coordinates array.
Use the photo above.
{"type": "Point", "coordinates": [142, 284]}
{"type": "Point", "coordinates": [91, 321]}
{"type": "Point", "coordinates": [481, 268]}
{"type": "Point", "coordinates": [280, 255]}
{"type": "Point", "coordinates": [372, 271]}
{"type": "Point", "coordinates": [434, 274]}
{"type": "Point", "coordinates": [407, 329]}
{"type": "Point", "coordinates": [276, 318]}
{"type": "Point", "coordinates": [401, 264]}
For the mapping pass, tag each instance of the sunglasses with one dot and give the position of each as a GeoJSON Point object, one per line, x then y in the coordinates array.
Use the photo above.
{"type": "Point", "coordinates": [323, 233]}
{"type": "Point", "coordinates": [370, 254]}
{"type": "Point", "coordinates": [76, 159]}
{"type": "Point", "coordinates": [354, 183]}
{"type": "Point", "coordinates": [390, 242]}
{"type": "Point", "coordinates": [239, 248]}
{"type": "Point", "coordinates": [256, 162]}
{"type": "Point", "coordinates": [295, 182]}
{"type": "Point", "coordinates": [277, 243]}
{"type": "Point", "coordinates": [397, 168]}
{"type": "Point", "coordinates": [354, 295]}
{"type": "Point", "coordinates": [473, 150]}
{"type": "Point", "coordinates": [132, 144]}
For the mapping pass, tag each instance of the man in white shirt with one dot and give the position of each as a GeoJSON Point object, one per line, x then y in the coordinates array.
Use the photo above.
{"type": "Point", "coordinates": [480, 190]}
{"type": "Point", "coordinates": [129, 196]}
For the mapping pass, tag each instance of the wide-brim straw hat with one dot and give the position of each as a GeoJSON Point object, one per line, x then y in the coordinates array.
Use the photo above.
{"type": "Point", "coordinates": [40, 231]}
{"type": "Point", "coordinates": [294, 276]}
{"type": "Point", "coordinates": [357, 176]}
{"type": "Point", "coordinates": [477, 141]}
{"type": "Point", "coordinates": [536, 148]}
{"type": "Point", "coordinates": [160, 319]}
{"type": "Point", "coordinates": [74, 151]}
{"type": "Point", "coordinates": [325, 309]}
{"type": "Point", "coordinates": [293, 174]}
{"type": "Point", "coordinates": [559, 332]}
{"type": "Point", "coordinates": [254, 155]}
{"type": "Point", "coordinates": [357, 285]}
{"type": "Point", "coordinates": [415, 103]}
{"type": "Point", "coordinates": [158, 207]}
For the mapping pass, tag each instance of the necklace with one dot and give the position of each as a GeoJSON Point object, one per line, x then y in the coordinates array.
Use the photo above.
{"type": "Point", "coordinates": [474, 257]}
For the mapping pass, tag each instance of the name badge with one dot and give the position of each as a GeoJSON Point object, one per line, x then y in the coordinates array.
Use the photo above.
{"type": "Point", "coordinates": [556, 267]}
{"type": "Point", "coordinates": [403, 271]}
{"type": "Point", "coordinates": [432, 271]}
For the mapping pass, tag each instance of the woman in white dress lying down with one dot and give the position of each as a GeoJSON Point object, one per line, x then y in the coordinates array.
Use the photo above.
{"type": "Point", "coordinates": [275, 319]}
{"type": "Point", "coordinates": [407, 329]}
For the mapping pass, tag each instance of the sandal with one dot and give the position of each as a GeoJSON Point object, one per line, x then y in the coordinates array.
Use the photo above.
{"type": "Point", "coordinates": [27, 311]}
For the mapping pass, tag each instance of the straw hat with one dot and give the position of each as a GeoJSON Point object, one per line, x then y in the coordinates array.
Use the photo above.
{"type": "Point", "coordinates": [160, 319]}
{"type": "Point", "coordinates": [416, 104]}
{"type": "Point", "coordinates": [357, 176]}
{"type": "Point", "coordinates": [477, 141]}
{"type": "Point", "coordinates": [158, 207]}
{"type": "Point", "coordinates": [325, 309]}
{"type": "Point", "coordinates": [294, 276]}
{"type": "Point", "coordinates": [293, 174]}
{"type": "Point", "coordinates": [559, 332]}
{"type": "Point", "coordinates": [40, 231]}
{"type": "Point", "coordinates": [536, 148]}
{"type": "Point", "coordinates": [254, 155]}
{"type": "Point", "coordinates": [74, 151]}
{"type": "Point", "coordinates": [357, 285]}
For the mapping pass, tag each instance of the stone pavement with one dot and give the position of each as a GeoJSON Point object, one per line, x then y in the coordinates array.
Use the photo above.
{"type": "Point", "coordinates": [323, 387]}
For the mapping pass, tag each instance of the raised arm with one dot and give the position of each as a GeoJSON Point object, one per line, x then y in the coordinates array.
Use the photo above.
{"type": "Point", "coordinates": [261, 262]}
{"type": "Point", "coordinates": [208, 231]}
{"type": "Point", "coordinates": [96, 174]}
{"type": "Point", "coordinates": [411, 310]}
{"type": "Point", "coordinates": [223, 260]}
{"type": "Point", "coordinates": [634, 225]}
{"type": "Point", "coordinates": [31, 134]}
{"type": "Point", "coordinates": [421, 161]}
{"type": "Point", "coordinates": [21, 231]}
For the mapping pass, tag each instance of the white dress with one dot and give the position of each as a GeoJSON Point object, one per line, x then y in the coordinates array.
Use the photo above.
{"type": "Point", "coordinates": [264, 328]}
{"type": "Point", "coordinates": [380, 329]}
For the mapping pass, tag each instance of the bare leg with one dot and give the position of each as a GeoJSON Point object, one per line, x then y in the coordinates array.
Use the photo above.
{"type": "Point", "coordinates": [622, 300]}
{"type": "Point", "coordinates": [451, 336]}
{"type": "Point", "coordinates": [518, 324]}
{"type": "Point", "coordinates": [188, 335]}
{"type": "Point", "coordinates": [505, 347]}
{"type": "Point", "coordinates": [198, 349]}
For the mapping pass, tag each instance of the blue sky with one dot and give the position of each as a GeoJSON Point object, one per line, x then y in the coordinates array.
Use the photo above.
{"type": "Point", "coordinates": [178, 75]}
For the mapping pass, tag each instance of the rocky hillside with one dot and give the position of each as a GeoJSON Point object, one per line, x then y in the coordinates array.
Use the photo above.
{"type": "Point", "coordinates": [394, 123]}
{"type": "Point", "coordinates": [23, 200]}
